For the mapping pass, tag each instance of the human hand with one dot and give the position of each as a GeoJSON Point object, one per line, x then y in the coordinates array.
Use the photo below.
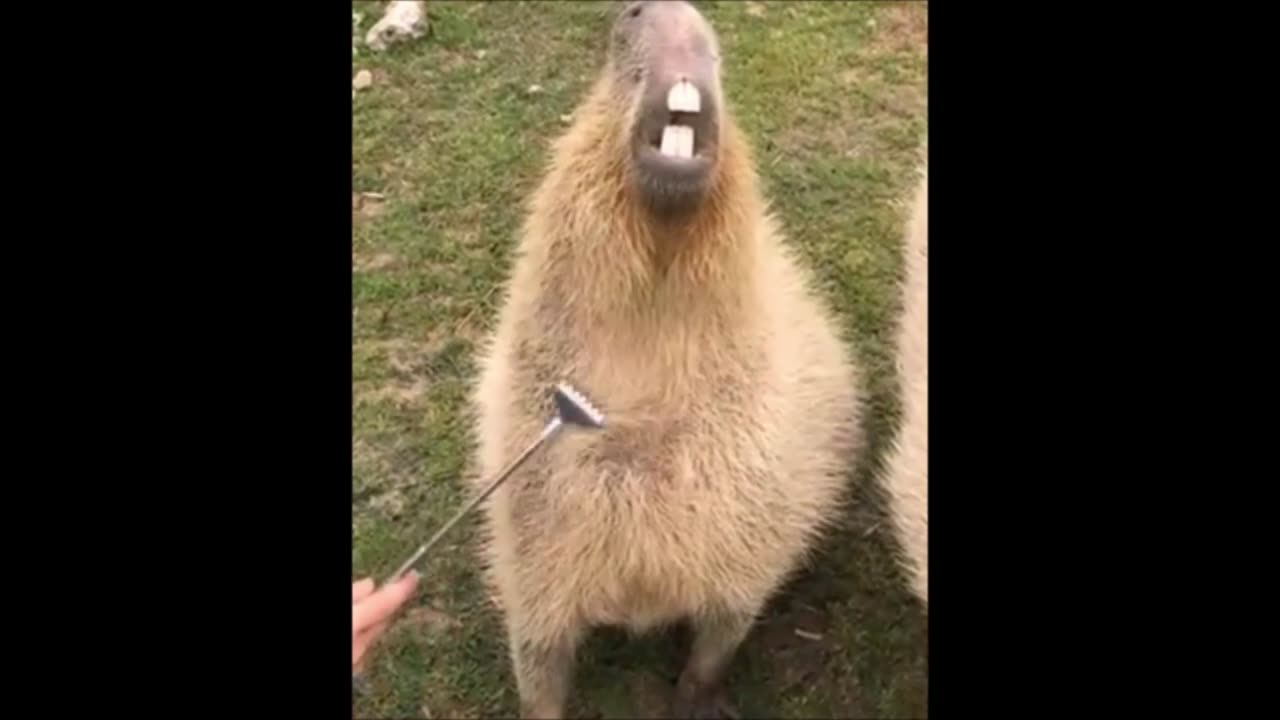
{"type": "Point", "coordinates": [371, 611]}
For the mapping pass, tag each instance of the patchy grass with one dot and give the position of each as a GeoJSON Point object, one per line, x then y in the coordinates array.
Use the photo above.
{"type": "Point", "coordinates": [450, 140]}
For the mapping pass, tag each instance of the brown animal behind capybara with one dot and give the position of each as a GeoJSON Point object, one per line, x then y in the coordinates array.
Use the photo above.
{"type": "Point", "coordinates": [651, 276]}
{"type": "Point", "coordinates": [906, 470]}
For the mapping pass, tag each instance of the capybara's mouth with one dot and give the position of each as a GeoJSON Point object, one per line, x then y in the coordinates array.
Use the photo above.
{"type": "Point", "coordinates": [684, 135]}
{"type": "Point", "coordinates": [676, 141]}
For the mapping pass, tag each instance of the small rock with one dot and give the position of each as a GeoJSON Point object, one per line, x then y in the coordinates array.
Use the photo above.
{"type": "Point", "coordinates": [372, 209]}
{"type": "Point", "coordinates": [566, 119]}
{"type": "Point", "coordinates": [363, 79]}
{"type": "Point", "coordinates": [369, 205]}
{"type": "Point", "coordinates": [871, 23]}
{"type": "Point", "coordinates": [534, 89]}
{"type": "Point", "coordinates": [481, 53]}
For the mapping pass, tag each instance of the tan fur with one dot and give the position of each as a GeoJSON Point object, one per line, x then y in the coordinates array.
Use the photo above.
{"type": "Point", "coordinates": [906, 475]}
{"type": "Point", "coordinates": [731, 403]}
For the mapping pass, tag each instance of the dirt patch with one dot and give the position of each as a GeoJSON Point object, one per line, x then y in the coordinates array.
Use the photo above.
{"type": "Point", "coordinates": [905, 101]}
{"type": "Point", "coordinates": [797, 643]}
{"type": "Point", "coordinates": [381, 261]}
{"type": "Point", "coordinates": [901, 27]}
{"type": "Point", "coordinates": [856, 76]}
{"type": "Point", "coordinates": [429, 620]}
{"type": "Point", "coordinates": [389, 504]}
{"type": "Point", "coordinates": [367, 205]}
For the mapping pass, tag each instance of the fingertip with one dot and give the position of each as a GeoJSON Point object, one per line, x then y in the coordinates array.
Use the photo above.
{"type": "Point", "coordinates": [405, 587]}
{"type": "Point", "coordinates": [361, 589]}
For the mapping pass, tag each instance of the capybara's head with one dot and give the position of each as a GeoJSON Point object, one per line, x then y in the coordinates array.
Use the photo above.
{"type": "Point", "coordinates": [665, 61]}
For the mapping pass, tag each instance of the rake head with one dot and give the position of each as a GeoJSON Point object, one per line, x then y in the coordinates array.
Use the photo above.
{"type": "Point", "coordinates": [575, 409]}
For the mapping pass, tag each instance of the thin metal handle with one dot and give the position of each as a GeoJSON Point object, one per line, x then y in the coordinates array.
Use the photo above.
{"type": "Point", "coordinates": [551, 429]}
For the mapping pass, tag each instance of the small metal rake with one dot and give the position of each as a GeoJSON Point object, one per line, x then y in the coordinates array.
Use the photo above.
{"type": "Point", "coordinates": [571, 409]}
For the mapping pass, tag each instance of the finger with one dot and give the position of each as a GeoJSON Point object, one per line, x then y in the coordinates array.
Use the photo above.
{"type": "Point", "coordinates": [362, 641]}
{"type": "Point", "coordinates": [382, 603]}
{"type": "Point", "coordinates": [360, 590]}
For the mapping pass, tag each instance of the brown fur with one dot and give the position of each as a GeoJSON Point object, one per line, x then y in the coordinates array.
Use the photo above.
{"type": "Point", "coordinates": [906, 475]}
{"type": "Point", "coordinates": [730, 400]}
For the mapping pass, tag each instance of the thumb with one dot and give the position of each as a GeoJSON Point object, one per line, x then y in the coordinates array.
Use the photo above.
{"type": "Point", "coordinates": [383, 602]}
{"type": "Point", "coordinates": [360, 590]}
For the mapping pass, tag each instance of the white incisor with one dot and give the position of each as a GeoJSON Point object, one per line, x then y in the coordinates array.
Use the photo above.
{"type": "Point", "coordinates": [684, 97]}
{"type": "Point", "coordinates": [677, 140]}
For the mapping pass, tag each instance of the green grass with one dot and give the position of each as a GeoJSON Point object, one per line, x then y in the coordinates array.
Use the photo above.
{"type": "Point", "coordinates": [832, 96]}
